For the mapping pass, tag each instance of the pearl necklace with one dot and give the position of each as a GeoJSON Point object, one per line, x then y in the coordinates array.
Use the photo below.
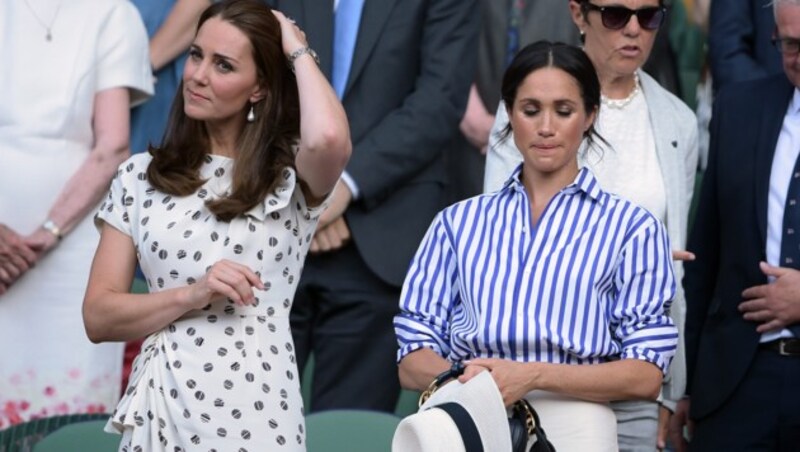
{"type": "Point", "coordinates": [48, 28]}
{"type": "Point", "coordinates": [619, 104]}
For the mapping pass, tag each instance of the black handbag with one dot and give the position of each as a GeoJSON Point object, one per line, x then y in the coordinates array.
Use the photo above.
{"type": "Point", "coordinates": [523, 423]}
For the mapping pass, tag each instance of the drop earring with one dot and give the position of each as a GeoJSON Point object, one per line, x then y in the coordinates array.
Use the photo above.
{"type": "Point", "coordinates": [251, 115]}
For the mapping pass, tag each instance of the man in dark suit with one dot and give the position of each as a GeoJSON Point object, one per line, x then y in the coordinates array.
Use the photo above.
{"type": "Point", "coordinates": [407, 87]}
{"type": "Point", "coordinates": [739, 41]}
{"type": "Point", "coordinates": [743, 289]}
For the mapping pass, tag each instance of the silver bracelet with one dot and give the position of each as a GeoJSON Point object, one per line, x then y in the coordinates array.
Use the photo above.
{"type": "Point", "coordinates": [51, 227]}
{"type": "Point", "coordinates": [300, 52]}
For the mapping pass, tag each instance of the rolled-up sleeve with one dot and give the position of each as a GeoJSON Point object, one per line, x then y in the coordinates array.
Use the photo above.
{"type": "Point", "coordinates": [645, 285]}
{"type": "Point", "coordinates": [429, 295]}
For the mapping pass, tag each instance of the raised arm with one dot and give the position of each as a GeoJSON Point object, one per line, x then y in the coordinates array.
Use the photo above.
{"type": "Point", "coordinates": [324, 132]}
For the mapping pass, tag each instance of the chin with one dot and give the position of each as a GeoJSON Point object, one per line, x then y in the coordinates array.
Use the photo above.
{"type": "Point", "coordinates": [192, 113]}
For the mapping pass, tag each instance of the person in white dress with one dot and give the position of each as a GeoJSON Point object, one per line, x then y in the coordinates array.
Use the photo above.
{"type": "Point", "coordinates": [220, 217]}
{"type": "Point", "coordinates": [72, 70]}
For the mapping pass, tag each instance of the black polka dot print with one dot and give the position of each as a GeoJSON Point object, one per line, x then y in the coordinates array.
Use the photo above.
{"type": "Point", "coordinates": [221, 378]}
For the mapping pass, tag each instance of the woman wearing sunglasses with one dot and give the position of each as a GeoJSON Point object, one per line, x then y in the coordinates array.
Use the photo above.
{"type": "Point", "coordinates": [651, 160]}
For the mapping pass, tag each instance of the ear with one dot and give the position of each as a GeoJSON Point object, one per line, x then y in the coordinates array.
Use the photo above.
{"type": "Point", "coordinates": [258, 94]}
{"type": "Point", "coordinates": [589, 120]}
{"type": "Point", "coordinates": [577, 14]}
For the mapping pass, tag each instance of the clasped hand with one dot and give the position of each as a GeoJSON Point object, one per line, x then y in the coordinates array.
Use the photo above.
{"type": "Point", "coordinates": [512, 378]}
{"type": "Point", "coordinates": [225, 279]}
{"type": "Point", "coordinates": [332, 231]}
{"type": "Point", "coordinates": [775, 305]}
{"type": "Point", "coordinates": [17, 256]}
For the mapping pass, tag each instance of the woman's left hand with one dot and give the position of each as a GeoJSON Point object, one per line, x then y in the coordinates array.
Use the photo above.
{"type": "Point", "coordinates": [514, 379]}
{"type": "Point", "coordinates": [292, 37]}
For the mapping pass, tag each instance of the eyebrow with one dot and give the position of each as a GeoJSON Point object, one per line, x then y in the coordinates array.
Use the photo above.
{"type": "Point", "coordinates": [538, 101]}
{"type": "Point", "coordinates": [217, 55]}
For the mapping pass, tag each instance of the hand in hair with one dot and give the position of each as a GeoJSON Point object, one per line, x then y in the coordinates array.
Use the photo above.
{"type": "Point", "coordinates": [292, 37]}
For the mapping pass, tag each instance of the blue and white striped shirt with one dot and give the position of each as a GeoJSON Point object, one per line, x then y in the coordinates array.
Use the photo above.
{"type": "Point", "coordinates": [592, 281]}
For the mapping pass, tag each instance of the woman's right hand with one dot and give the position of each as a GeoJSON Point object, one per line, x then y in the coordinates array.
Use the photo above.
{"type": "Point", "coordinates": [16, 257]}
{"type": "Point", "coordinates": [225, 279]}
{"type": "Point", "coordinates": [514, 379]}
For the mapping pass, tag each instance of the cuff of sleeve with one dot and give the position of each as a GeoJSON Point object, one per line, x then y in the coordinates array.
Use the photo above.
{"type": "Point", "coordinates": [351, 184]}
{"type": "Point", "coordinates": [661, 360]}
{"type": "Point", "coordinates": [410, 348]}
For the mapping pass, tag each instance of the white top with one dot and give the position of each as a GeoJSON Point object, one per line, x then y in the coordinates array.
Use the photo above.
{"type": "Point", "coordinates": [786, 153]}
{"type": "Point", "coordinates": [630, 167]}
{"type": "Point", "coordinates": [223, 377]}
{"type": "Point", "coordinates": [47, 364]}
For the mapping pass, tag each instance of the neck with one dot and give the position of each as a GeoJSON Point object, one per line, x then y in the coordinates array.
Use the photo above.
{"type": "Point", "coordinates": [542, 187]}
{"type": "Point", "coordinates": [616, 86]}
{"type": "Point", "coordinates": [224, 137]}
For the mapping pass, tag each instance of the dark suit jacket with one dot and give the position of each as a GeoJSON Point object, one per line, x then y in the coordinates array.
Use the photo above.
{"type": "Point", "coordinates": [406, 92]}
{"type": "Point", "coordinates": [729, 238]}
{"type": "Point", "coordinates": [739, 41]}
{"type": "Point", "coordinates": [541, 19]}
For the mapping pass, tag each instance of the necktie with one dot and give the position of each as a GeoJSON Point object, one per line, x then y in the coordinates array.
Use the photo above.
{"type": "Point", "coordinates": [514, 23]}
{"type": "Point", "coordinates": [345, 30]}
{"type": "Point", "coordinates": [790, 241]}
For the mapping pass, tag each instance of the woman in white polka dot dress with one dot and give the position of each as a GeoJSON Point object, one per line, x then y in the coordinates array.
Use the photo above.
{"type": "Point", "coordinates": [220, 217]}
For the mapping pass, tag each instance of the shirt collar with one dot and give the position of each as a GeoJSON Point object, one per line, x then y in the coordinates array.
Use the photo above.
{"type": "Point", "coordinates": [794, 105]}
{"type": "Point", "coordinates": [584, 182]}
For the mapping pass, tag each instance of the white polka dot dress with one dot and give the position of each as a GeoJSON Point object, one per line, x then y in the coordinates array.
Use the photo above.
{"type": "Point", "coordinates": [222, 378]}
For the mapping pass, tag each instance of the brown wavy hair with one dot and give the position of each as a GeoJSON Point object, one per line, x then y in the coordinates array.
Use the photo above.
{"type": "Point", "coordinates": [266, 145]}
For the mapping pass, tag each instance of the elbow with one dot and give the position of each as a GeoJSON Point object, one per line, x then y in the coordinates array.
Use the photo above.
{"type": "Point", "coordinates": [336, 146]}
{"type": "Point", "coordinates": [649, 387]}
{"type": "Point", "coordinates": [406, 379]}
{"type": "Point", "coordinates": [94, 334]}
{"type": "Point", "coordinates": [94, 328]}
{"type": "Point", "coordinates": [652, 391]}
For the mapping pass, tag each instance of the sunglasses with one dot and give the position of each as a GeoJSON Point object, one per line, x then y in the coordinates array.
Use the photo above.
{"type": "Point", "coordinates": [617, 17]}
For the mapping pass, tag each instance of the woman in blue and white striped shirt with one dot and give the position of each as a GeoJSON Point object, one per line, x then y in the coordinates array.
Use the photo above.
{"type": "Point", "coordinates": [556, 287]}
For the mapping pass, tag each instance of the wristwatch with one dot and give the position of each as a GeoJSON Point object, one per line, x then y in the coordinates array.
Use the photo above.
{"type": "Point", "coordinates": [51, 227]}
{"type": "Point", "coordinates": [300, 52]}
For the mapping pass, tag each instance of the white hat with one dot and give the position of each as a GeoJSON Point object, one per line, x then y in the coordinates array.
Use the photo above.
{"type": "Point", "coordinates": [455, 418]}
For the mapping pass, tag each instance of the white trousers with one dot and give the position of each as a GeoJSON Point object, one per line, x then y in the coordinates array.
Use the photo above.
{"type": "Point", "coordinates": [574, 425]}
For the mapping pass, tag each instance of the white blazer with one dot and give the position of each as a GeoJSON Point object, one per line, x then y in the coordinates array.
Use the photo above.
{"type": "Point", "coordinates": [675, 135]}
